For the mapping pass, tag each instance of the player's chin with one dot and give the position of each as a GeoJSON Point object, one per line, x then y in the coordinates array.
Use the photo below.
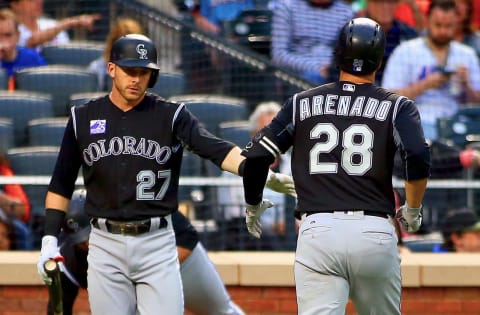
{"type": "Point", "coordinates": [134, 93]}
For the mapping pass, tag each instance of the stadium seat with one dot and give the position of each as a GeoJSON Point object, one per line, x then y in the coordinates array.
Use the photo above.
{"type": "Point", "coordinates": [235, 131]}
{"type": "Point", "coordinates": [46, 131]}
{"type": "Point", "coordinates": [170, 84]}
{"type": "Point", "coordinates": [461, 129]}
{"type": "Point", "coordinates": [78, 53]}
{"type": "Point", "coordinates": [22, 107]}
{"type": "Point", "coordinates": [6, 134]}
{"type": "Point", "coordinates": [82, 98]}
{"type": "Point", "coordinates": [252, 28]}
{"type": "Point", "coordinates": [212, 110]}
{"type": "Point", "coordinates": [60, 81]}
{"type": "Point", "coordinates": [3, 80]}
{"type": "Point", "coordinates": [34, 160]}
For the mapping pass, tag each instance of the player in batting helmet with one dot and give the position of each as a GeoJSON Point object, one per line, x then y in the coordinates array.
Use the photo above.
{"type": "Point", "coordinates": [360, 46]}
{"type": "Point", "coordinates": [136, 50]}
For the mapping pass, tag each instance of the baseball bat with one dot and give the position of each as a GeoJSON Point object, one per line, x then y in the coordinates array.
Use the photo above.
{"type": "Point", "coordinates": [55, 288]}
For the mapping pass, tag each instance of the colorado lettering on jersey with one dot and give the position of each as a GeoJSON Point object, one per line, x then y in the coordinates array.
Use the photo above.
{"type": "Point", "coordinates": [332, 104]}
{"type": "Point", "coordinates": [126, 145]}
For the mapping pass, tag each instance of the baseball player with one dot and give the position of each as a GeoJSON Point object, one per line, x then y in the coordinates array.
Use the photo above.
{"type": "Point", "coordinates": [203, 290]}
{"type": "Point", "coordinates": [129, 145]}
{"type": "Point", "coordinates": [344, 137]}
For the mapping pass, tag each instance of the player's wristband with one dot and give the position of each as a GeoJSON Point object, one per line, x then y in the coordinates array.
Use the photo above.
{"type": "Point", "coordinates": [241, 168]}
{"type": "Point", "coordinates": [53, 221]}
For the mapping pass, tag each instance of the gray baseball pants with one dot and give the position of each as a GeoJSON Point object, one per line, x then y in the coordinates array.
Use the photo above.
{"type": "Point", "coordinates": [344, 255]}
{"type": "Point", "coordinates": [130, 275]}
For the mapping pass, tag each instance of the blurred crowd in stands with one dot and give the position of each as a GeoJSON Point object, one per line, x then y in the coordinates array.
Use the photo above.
{"type": "Point", "coordinates": [432, 56]}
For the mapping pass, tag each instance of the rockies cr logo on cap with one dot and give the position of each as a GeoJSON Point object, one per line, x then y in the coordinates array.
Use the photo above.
{"type": "Point", "coordinates": [142, 51]}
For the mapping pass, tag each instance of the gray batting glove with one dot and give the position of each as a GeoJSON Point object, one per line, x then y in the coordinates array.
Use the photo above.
{"type": "Point", "coordinates": [281, 183]}
{"type": "Point", "coordinates": [48, 251]}
{"type": "Point", "coordinates": [410, 218]}
{"type": "Point", "coordinates": [252, 217]}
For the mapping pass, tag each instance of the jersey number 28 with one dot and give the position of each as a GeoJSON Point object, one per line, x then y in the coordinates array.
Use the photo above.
{"type": "Point", "coordinates": [360, 149]}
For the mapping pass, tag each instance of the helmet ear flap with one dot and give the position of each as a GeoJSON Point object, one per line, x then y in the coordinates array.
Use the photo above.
{"type": "Point", "coordinates": [153, 78]}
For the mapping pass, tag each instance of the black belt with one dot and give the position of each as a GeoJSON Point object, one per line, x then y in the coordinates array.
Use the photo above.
{"type": "Point", "coordinates": [372, 213]}
{"type": "Point", "coordinates": [131, 228]}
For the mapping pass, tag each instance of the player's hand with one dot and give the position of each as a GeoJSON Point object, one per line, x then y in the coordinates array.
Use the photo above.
{"type": "Point", "coordinates": [252, 217]}
{"type": "Point", "coordinates": [49, 250]}
{"type": "Point", "coordinates": [410, 218]}
{"type": "Point", "coordinates": [281, 183]}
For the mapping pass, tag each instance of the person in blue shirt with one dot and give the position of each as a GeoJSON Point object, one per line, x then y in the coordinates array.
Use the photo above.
{"type": "Point", "coordinates": [12, 56]}
{"type": "Point", "coordinates": [211, 15]}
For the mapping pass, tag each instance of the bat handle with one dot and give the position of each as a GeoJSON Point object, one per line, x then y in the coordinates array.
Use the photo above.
{"type": "Point", "coordinates": [51, 267]}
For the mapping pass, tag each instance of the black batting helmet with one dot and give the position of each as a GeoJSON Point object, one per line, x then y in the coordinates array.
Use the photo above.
{"type": "Point", "coordinates": [77, 222]}
{"type": "Point", "coordinates": [136, 50]}
{"type": "Point", "coordinates": [360, 46]}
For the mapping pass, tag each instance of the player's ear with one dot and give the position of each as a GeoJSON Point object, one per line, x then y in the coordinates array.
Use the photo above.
{"type": "Point", "coordinates": [111, 69]}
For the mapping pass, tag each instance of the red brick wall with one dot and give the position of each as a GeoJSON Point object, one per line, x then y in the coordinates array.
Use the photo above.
{"type": "Point", "coordinates": [31, 300]}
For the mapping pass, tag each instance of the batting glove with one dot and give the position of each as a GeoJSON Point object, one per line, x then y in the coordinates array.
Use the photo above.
{"type": "Point", "coordinates": [281, 183]}
{"type": "Point", "coordinates": [48, 251]}
{"type": "Point", "coordinates": [410, 218]}
{"type": "Point", "coordinates": [252, 217]}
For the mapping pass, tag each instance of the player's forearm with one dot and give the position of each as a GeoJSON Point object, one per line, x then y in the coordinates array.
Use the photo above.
{"type": "Point", "coordinates": [233, 160]}
{"type": "Point", "coordinates": [414, 191]}
{"type": "Point", "coordinates": [56, 201]}
{"type": "Point", "coordinates": [254, 178]}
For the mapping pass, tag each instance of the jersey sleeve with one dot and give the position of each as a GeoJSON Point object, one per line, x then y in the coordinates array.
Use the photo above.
{"type": "Point", "coordinates": [273, 140]}
{"type": "Point", "coordinates": [67, 165]}
{"type": "Point", "coordinates": [199, 140]}
{"type": "Point", "coordinates": [408, 134]}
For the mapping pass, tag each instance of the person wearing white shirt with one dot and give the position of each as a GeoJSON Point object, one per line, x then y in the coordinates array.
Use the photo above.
{"type": "Point", "coordinates": [440, 74]}
{"type": "Point", "coordinates": [37, 30]}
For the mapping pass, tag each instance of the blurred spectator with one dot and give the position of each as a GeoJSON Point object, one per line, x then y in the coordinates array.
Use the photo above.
{"type": "Point", "coordinates": [396, 31]}
{"type": "Point", "coordinates": [412, 12]}
{"type": "Point", "coordinates": [7, 233]}
{"type": "Point", "coordinates": [437, 72]}
{"type": "Point", "coordinates": [213, 16]}
{"type": "Point", "coordinates": [15, 205]}
{"type": "Point", "coordinates": [13, 198]}
{"type": "Point", "coordinates": [12, 56]}
{"type": "Point", "coordinates": [461, 232]}
{"type": "Point", "coordinates": [122, 26]}
{"type": "Point", "coordinates": [37, 30]}
{"type": "Point", "coordinates": [476, 13]}
{"type": "Point", "coordinates": [231, 198]}
{"type": "Point", "coordinates": [304, 33]}
{"type": "Point", "coordinates": [466, 31]}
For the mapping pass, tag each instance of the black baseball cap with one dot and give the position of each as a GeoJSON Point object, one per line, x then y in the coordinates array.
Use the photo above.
{"type": "Point", "coordinates": [461, 221]}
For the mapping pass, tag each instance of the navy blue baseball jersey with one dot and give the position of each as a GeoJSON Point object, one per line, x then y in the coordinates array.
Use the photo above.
{"type": "Point", "coordinates": [131, 172]}
{"type": "Point", "coordinates": [344, 138]}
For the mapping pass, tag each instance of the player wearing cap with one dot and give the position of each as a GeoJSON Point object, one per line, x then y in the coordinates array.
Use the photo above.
{"type": "Point", "coordinates": [344, 137]}
{"type": "Point", "coordinates": [129, 145]}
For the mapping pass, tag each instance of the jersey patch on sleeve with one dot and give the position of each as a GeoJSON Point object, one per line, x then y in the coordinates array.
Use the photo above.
{"type": "Point", "coordinates": [98, 126]}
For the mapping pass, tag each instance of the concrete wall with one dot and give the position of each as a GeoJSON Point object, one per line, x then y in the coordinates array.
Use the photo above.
{"type": "Point", "coordinates": [262, 283]}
